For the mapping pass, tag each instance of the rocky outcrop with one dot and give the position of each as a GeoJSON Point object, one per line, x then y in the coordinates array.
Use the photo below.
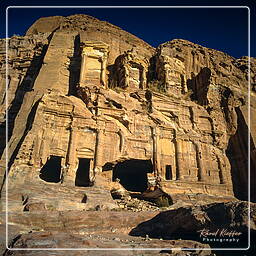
{"type": "Point", "coordinates": [189, 220]}
{"type": "Point", "coordinates": [88, 229]}
{"type": "Point", "coordinates": [217, 224]}
{"type": "Point", "coordinates": [56, 240]}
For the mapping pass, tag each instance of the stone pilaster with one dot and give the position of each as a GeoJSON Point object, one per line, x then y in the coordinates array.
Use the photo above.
{"type": "Point", "coordinates": [83, 67]}
{"type": "Point", "coordinates": [222, 174]}
{"type": "Point", "coordinates": [179, 159]}
{"type": "Point", "coordinates": [103, 71]}
{"type": "Point", "coordinates": [201, 173]}
{"type": "Point", "coordinates": [71, 152]}
{"type": "Point", "coordinates": [156, 158]}
{"type": "Point", "coordinates": [143, 78]}
{"type": "Point", "coordinates": [44, 147]}
{"type": "Point", "coordinates": [99, 151]}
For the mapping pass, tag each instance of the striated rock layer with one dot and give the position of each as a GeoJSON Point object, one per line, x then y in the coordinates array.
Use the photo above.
{"type": "Point", "coordinates": [87, 99]}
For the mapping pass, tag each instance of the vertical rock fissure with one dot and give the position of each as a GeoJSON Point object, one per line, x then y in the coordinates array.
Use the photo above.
{"type": "Point", "coordinates": [74, 66]}
{"type": "Point", "coordinates": [237, 153]}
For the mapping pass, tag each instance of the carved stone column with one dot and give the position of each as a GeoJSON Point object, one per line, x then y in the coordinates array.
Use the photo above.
{"type": "Point", "coordinates": [156, 159]}
{"type": "Point", "coordinates": [174, 160]}
{"type": "Point", "coordinates": [184, 84]}
{"type": "Point", "coordinates": [143, 78]}
{"type": "Point", "coordinates": [37, 149]}
{"type": "Point", "coordinates": [71, 153]}
{"type": "Point", "coordinates": [221, 171]}
{"type": "Point", "coordinates": [224, 168]}
{"type": "Point", "coordinates": [199, 161]}
{"type": "Point", "coordinates": [103, 71]}
{"type": "Point", "coordinates": [99, 151]}
{"type": "Point", "coordinates": [179, 159]}
{"type": "Point", "coordinates": [83, 67]}
{"type": "Point", "coordinates": [34, 160]}
{"type": "Point", "coordinates": [44, 147]}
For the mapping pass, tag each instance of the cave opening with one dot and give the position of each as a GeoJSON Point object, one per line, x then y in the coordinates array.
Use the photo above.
{"type": "Point", "coordinates": [51, 171]}
{"type": "Point", "coordinates": [133, 174]}
{"type": "Point", "coordinates": [83, 172]}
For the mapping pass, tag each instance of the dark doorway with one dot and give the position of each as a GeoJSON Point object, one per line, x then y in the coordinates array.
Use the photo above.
{"type": "Point", "coordinates": [168, 172]}
{"type": "Point", "coordinates": [51, 171]}
{"type": "Point", "coordinates": [133, 174]}
{"type": "Point", "coordinates": [83, 173]}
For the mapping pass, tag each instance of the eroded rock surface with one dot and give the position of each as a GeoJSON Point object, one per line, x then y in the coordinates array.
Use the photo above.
{"type": "Point", "coordinates": [220, 225]}
{"type": "Point", "coordinates": [189, 220]}
{"type": "Point", "coordinates": [90, 105]}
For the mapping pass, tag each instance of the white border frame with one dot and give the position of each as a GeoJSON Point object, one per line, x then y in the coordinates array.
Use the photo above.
{"type": "Point", "coordinates": [116, 7]}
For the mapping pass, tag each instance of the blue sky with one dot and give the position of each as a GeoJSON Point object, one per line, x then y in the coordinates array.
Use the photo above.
{"type": "Point", "coordinates": [218, 28]}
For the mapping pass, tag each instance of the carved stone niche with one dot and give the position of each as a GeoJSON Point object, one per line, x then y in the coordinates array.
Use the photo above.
{"type": "Point", "coordinates": [171, 74]}
{"type": "Point", "coordinates": [131, 71]}
{"type": "Point", "coordinates": [94, 64]}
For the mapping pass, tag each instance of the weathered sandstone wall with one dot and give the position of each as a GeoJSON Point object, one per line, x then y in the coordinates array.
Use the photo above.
{"type": "Point", "coordinates": [82, 93]}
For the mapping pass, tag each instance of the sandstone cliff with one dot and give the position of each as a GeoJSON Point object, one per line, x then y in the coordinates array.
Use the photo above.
{"type": "Point", "coordinates": [86, 98]}
{"type": "Point", "coordinates": [99, 121]}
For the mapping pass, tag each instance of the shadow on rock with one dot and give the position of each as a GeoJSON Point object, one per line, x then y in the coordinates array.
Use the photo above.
{"type": "Point", "coordinates": [221, 225]}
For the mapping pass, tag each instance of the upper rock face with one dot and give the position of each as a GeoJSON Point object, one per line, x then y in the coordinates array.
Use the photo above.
{"type": "Point", "coordinates": [45, 24]}
{"type": "Point", "coordinates": [90, 28]}
{"type": "Point", "coordinates": [86, 97]}
{"type": "Point", "coordinates": [225, 69]}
